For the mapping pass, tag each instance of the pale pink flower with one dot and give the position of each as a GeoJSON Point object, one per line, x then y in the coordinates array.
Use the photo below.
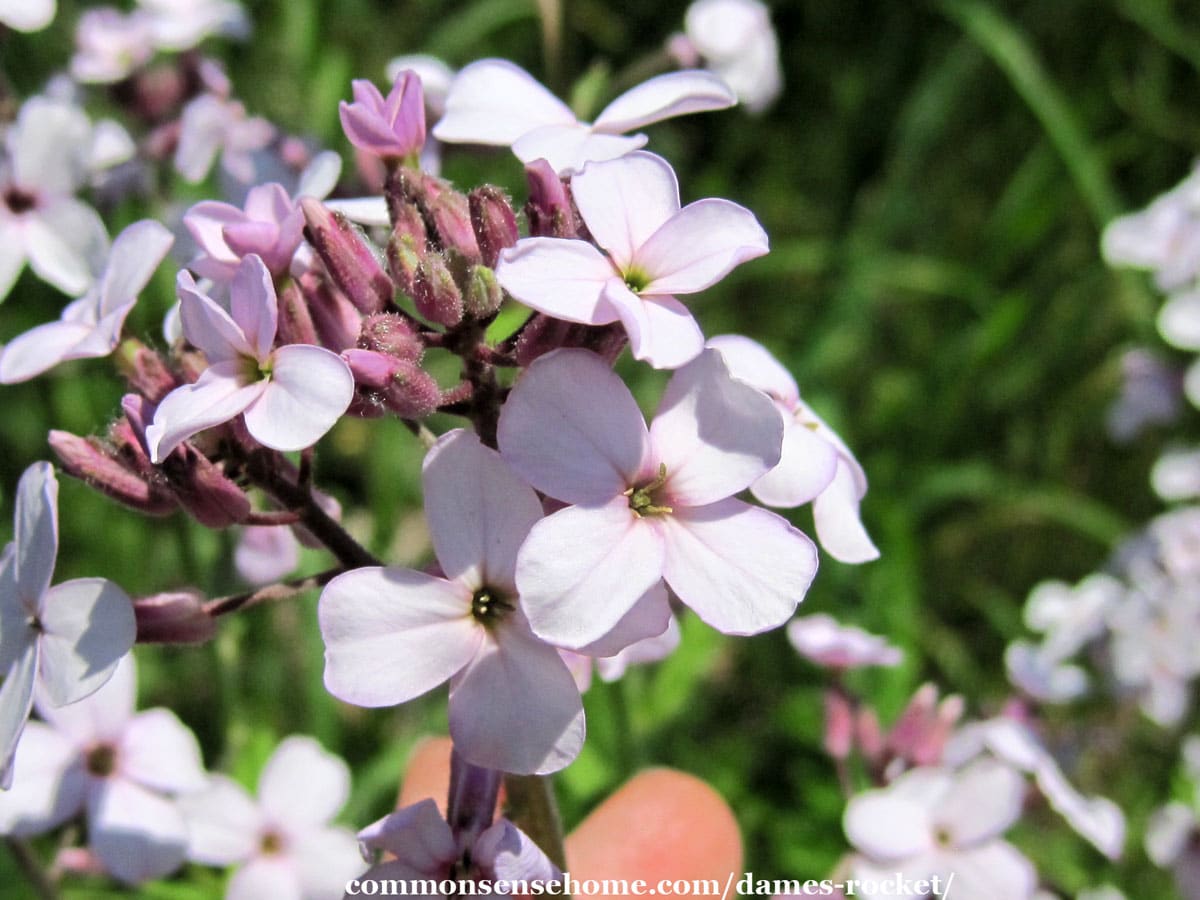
{"type": "Point", "coordinates": [612, 666]}
{"type": "Point", "coordinates": [1179, 324]}
{"type": "Point", "coordinates": [270, 225]}
{"type": "Point", "coordinates": [1176, 475]}
{"type": "Point", "coordinates": [27, 15]}
{"type": "Point", "coordinates": [67, 639]}
{"type": "Point", "coordinates": [110, 45]}
{"type": "Point", "coordinates": [1164, 237]}
{"type": "Point", "coordinates": [289, 396]}
{"type": "Point", "coordinates": [212, 125]}
{"type": "Point", "coordinates": [933, 821]}
{"type": "Point", "coordinates": [123, 768]}
{"type": "Point", "coordinates": [391, 126]}
{"type": "Point", "coordinates": [495, 102]}
{"type": "Point", "coordinates": [653, 250]}
{"type": "Point", "coordinates": [41, 222]}
{"type": "Point", "coordinates": [649, 504]}
{"type": "Point", "coordinates": [825, 641]}
{"type": "Point", "coordinates": [815, 465]}
{"type": "Point", "coordinates": [1170, 829]}
{"type": "Point", "coordinates": [91, 326]}
{"type": "Point", "coordinates": [282, 840]}
{"type": "Point", "coordinates": [394, 634]}
{"type": "Point", "coordinates": [182, 24]}
{"type": "Point", "coordinates": [266, 553]}
{"type": "Point", "coordinates": [736, 40]}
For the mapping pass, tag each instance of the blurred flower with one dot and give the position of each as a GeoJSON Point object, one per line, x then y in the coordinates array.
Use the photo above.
{"type": "Point", "coordinates": [289, 396]}
{"type": "Point", "coordinates": [826, 642]}
{"type": "Point", "coordinates": [1176, 475]}
{"type": "Point", "coordinates": [393, 634]}
{"type": "Point", "coordinates": [650, 504]}
{"type": "Point", "coordinates": [282, 840]}
{"type": "Point", "coordinates": [265, 553]}
{"type": "Point", "coordinates": [122, 768]}
{"type": "Point", "coordinates": [1150, 395]}
{"type": "Point", "coordinates": [182, 24]}
{"type": "Point", "coordinates": [1179, 324]}
{"type": "Point", "coordinates": [815, 464]}
{"type": "Point", "coordinates": [211, 124]}
{"type": "Point", "coordinates": [656, 646]}
{"type": "Point", "coordinates": [735, 39]}
{"type": "Point", "coordinates": [654, 251]}
{"type": "Point", "coordinates": [1164, 237]}
{"type": "Point", "coordinates": [1168, 833]}
{"type": "Point", "coordinates": [271, 225]}
{"type": "Point", "coordinates": [91, 326]}
{"type": "Point", "coordinates": [110, 45]}
{"type": "Point", "coordinates": [27, 15]}
{"type": "Point", "coordinates": [495, 102]}
{"type": "Point", "coordinates": [65, 639]}
{"type": "Point", "coordinates": [391, 127]}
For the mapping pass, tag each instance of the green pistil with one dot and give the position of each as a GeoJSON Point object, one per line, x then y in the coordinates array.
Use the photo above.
{"type": "Point", "coordinates": [636, 280]}
{"type": "Point", "coordinates": [489, 607]}
{"type": "Point", "coordinates": [641, 499]}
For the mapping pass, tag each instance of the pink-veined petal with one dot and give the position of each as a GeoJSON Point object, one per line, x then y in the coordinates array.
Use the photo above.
{"type": "Point", "coordinates": [562, 278]}
{"type": "Point", "coordinates": [583, 568]}
{"type": "Point", "coordinates": [649, 617]}
{"type": "Point", "coordinates": [571, 428]}
{"type": "Point", "coordinates": [568, 148]}
{"type": "Point", "coordinates": [16, 699]}
{"type": "Point", "coordinates": [49, 784]}
{"type": "Point", "coordinates": [35, 534]}
{"type": "Point", "coordinates": [515, 706]}
{"type": "Point", "coordinates": [742, 569]}
{"type": "Point", "coordinates": [698, 247]}
{"type": "Point", "coordinates": [752, 362]}
{"type": "Point", "coordinates": [393, 634]}
{"type": "Point", "coordinates": [625, 201]}
{"type": "Point", "coordinates": [664, 97]}
{"type": "Point", "coordinates": [99, 717]}
{"type": "Point", "coordinates": [224, 824]}
{"type": "Point", "coordinates": [662, 331]}
{"type": "Point", "coordinates": [715, 435]}
{"type": "Point", "coordinates": [66, 243]}
{"type": "Point", "coordinates": [309, 389]}
{"type": "Point", "coordinates": [253, 305]}
{"type": "Point", "coordinates": [303, 785]}
{"type": "Point", "coordinates": [208, 326]}
{"type": "Point", "coordinates": [218, 395]}
{"type": "Point", "coordinates": [836, 517]}
{"type": "Point", "coordinates": [807, 466]}
{"type": "Point", "coordinates": [87, 626]}
{"type": "Point", "coordinates": [138, 834]}
{"type": "Point", "coordinates": [158, 751]}
{"type": "Point", "coordinates": [136, 253]}
{"type": "Point", "coordinates": [985, 799]}
{"type": "Point", "coordinates": [478, 511]}
{"type": "Point", "coordinates": [493, 101]}
{"type": "Point", "coordinates": [266, 876]}
{"type": "Point", "coordinates": [40, 349]}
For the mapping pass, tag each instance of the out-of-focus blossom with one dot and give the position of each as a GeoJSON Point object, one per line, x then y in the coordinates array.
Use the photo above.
{"type": "Point", "coordinates": [282, 840]}
{"type": "Point", "coordinates": [1179, 324]}
{"type": "Point", "coordinates": [1043, 676]}
{"type": "Point", "coordinates": [655, 250]}
{"type": "Point", "coordinates": [212, 125]}
{"type": "Point", "coordinates": [649, 649]}
{"type": "Point", "coordinates": [495, 102]}
{"type": "Point", "coordinates": [649, 505]}
{"type": "Point", "coordinates": [91, 326]}
{"type": "Point", "coordinates": [934, 821]}
{"type": "Point", "coordinates": [1150, 395]}
{"type": "Point", "coordinates": [1168, 833]}
{"type": "Point", "coordinates": [182, 24]}
{"type": "Point", "coordinates": [816, 465]}
{"type": "Point", "coordinates": [289, 396]}
{"type": "Point", "coordinates": [735, 39]}
{"type": "Point", "coordinates": [271, 226]}
{"type": "Point", "coordinates": [123, 768]}
{"type": "Point", "coordinates": [825, 641]}
{"type": "Point", "coordinates": [110, 45]}
{"type": "Point", "coordinates": [1070, 617]}
{"type": "Point", "coordinates": [41, 221]}
{"type": "Point", "coordinates": [1176, 475]}
{"type": "Point", "coordinates": [436, 78]}
{"type": "Point", "coordinates": [266, 553]}
{"type": "Point", "coordinates": [1163, 238]}
{"type": "Point", "coordinates": [27, 15]}
{"type": "Point", "coordinates": [394, 634]}
{"type": "Point", "coordinates": [391, 127]}
{"type": "Point", "coordinates": [65, 639]}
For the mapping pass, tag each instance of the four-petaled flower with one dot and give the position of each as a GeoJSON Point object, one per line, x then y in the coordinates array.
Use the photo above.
{"type": "Point", "coordinates": [392, 127]}
{"type": "Point", "coordinates": [270, 226]}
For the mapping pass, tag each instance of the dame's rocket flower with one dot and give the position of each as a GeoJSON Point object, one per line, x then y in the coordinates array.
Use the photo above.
{"type": "Point", "coordinates": [271, 225]}
{"type": "Point", "coordinates": [649, 505]}
{"type": "Point", "coordinates": [290, 396]}
{"type": "Point", "coordinates": [652, 251]}
{"type": "Point", "coordinates": [736, 40]}
{"type": "Point", "coordinates": [27, 15]}
{"type": "Point", "coordinates": [495, 102]}
{"type": "Point", "coordinates": [389, 127]}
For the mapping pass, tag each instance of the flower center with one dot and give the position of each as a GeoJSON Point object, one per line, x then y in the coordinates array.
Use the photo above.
{"type": "Point", "coordinates": [19, 201]}
{"type": "Point", "coordinates": [942, 836]}
{"type": "Point", "coordinates": [271, 844]}
{"type": "Point", "coordinates": [643, 499]}
{"type": "Point", "coordinates": [489, 606]}
{"type": "Point", "coordinates": [101, 760]}
{"type": "Point", "coordinates": [636, 280]}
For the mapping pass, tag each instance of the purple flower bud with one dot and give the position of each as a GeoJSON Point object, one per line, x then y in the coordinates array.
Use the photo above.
{"type": "Point", "coordinates": [336, 320]}
{"type": "Point", "coordinates": [370, 368]}
{"type": "Point", "coordinates": [494, 222]}
{"type": "Point", "coordinates": [407, 245]}
{"type": "Point", "coordinates": [391, 334]}
{"type": "Point", "coordinates": [549, 207]}
{"type": "Point", "coordinates": [869, 735]}
{"type": "Point", "coordinates": [347, 257]}
{"type": "Point", "coordinates": [399, 385]}
{"type": "Point", "coordinates": [89, 460]}
{"type": "Point", "coordinates": [203, 489]}
{"type": "Point", "coordinates": [391, 127]}
{"type": "Point", "coordinates": [176, 617]}
{"type": "Point", "coordinates": [914, 723]}
{"type": "Point", "coordinates": [839, 725]}
{"type": "Point", "coordinates": [436, 293]}
{"type": "Point", "coordinates": [295, 322]}
{"type": "Point", "coordinates": [145, 370]}
{"type": "Point", "coordinates": [543, 334]}
{"type": "Point", "coordinates": [451, 215]}
{"type": "Point", "coordinates": [484, 294]}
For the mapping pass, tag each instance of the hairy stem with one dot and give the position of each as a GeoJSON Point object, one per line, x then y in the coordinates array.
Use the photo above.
{"type": "Point", "coordinates": [283, 590]}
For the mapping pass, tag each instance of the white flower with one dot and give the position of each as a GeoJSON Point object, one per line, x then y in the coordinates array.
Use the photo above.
{"type": "Point", "coordinates": [737, 42]}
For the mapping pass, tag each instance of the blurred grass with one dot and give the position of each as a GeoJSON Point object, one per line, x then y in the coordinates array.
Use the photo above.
{"type": "Point", "coordinates": [934, 180]}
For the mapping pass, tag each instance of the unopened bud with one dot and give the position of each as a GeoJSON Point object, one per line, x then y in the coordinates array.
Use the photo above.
{"type": "Point", "coordinates": [839, 725]}
{"type": "Point", "coordinates": [348, 258]}
{"type": "Point", "coordinates": [914, 723]}
{"type": "Point", "coordinates": [407, 246]}
{"type": "Point", "coordinates": [145, 370]}
{"type": "Point", "coordinates": [176, 617]}
{"type": "Point", "coordinates": [451, 215]}
{"type": "Point", "coordinates": [543, 334]}
{"type": "Point", "coordinates": [493, 220]}
{"type": "Point", "coordinates": [928, 750]}
{"type": "Point", "coordinates": [391, 334]}
{"type": "Point", "coordinates": [484, 294]}
{"type": "Point", "coordinates": [435, 292]}
{"type": "Point", "coordinates": [869, 735]}
{"type": "Point", "coordinates": [204, 490]}
{"type": "Point", "coordinates": [295, 322]}
{"type": "Point", "coordinates": [549, 207]}
{"type": "Point", "coordinates": [399, 385]}
{"type": "Point", "coordinates": [335, 318]}
{"type": "Point", "coordinates": [89, 460]}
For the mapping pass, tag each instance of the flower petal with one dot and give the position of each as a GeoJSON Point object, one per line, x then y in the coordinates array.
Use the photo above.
{"type": "Point", "coordinates": [208, 326]}
{"type": "Point", "coordinates": [807, 466]}
{"type": "Point", "coordinates": [136, 253]}
{"type": "Point", "coordinates": [223, 822]}
{"type": "Point", "coordinates": [40, 349]}
{"type": "Point", "coordinates": [664, 97]}
{"type": "Point", "coordinates": [994, 871]}
{"type": "Point", "coordinates": [303, 785]}
{"type": "Point", "coordinates": [16, 699]}
{"type": "Point", "coordinates": [742, 569]}
{"type": "Point", "coordinates": [753, 363]}
{"type": "Point", "coordinates": [1179, 320]}
{"type": "Point", "coordinates": [35, 534]}
{"type": "Point", "coordinates": [625, 201]}
{"type": "Point", "coordinates": [836, 517]}
{"type": "Point", "coordinates": [417, 835]}
{"type": "Point", "coordinates": [661, 330]}
{"type": "Point", "coordinates": [886, 825]}
{"type": "Point", "coordinates": [217, 396]}
{"type": "Point", "coordinates": [101, 716]}
{"type": "Point", "coordinates": [698, 247]}
{"type": "Point", "coordinates": [715, 435]}
{"type": "Point", "coordinates": [158, 751]}
{"type": "Point", "coordinates": [505, 852]}
{"type": "Point", "coordinates": [325, 859]}
{"type": "Point", "coordinates": [515, 706]}
{"type": "Point", "coordinates": [571, 428]}
{"type": "Point", "coordinates": [66, 242]}
{"type": "Point", "coordinates": [649, 617]}
{"type": "Point", "coordinates": [137, 833]}
{"type": "Point", "coordinates": [985, 799]}
{"type": "Point", "coordinates": [16, 632]}
{"type": "Point", "coordinates": [266, 876]}
{"type": "Point", "coordinates": [562, 278]}
{"type": "Point", "coordinates": [493, 101]}
{"type": "Point", "coordinates": [583, 568]}
{"type": "Point", "coordinates": [253, 304]}
{"type": "Point", "coordinates": [568, 148]}
{"type": "Point", "coordinates": [87, 626]}
{"type": "Point", "coordinates": [393, 634]}
{"type": "Point", "coordinates": [478, 511]}
{"type": "Point", "coordinates": [49, 786]}
{"type": "Point", "coordinates": [309, 389]}
{"type": "Point", "coordinates": [47, 146]}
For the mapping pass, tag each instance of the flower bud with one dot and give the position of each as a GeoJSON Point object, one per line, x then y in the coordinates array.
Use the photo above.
{"type": "Point", "coordinates": [336, 320]}
{"type": "Point", "coordinates": [869, 735]}
{"type": "Point", "coordinates": [493, 220]}
{"type": "Point", "coordinates": [435, 292]}
{"type": "Point", "coordinates": [145, 370]}
{"type": "Point", "coordinates": [549, 207]}
{"type": "Point", "coordinates": [451, 215]}
{"type": "Point", "coordinates": [839, 725]}
{"type": "Point", "coordinates": [391, 334]}
{"type": "Point", "coordinates": [347, 257]}
{"type": "Point", "coordinates": [543, 334]}
{"type": "Point", "coordinates": [914, 722]}
{"type": "Point", "coordinates": [399, 385]}
{"type": "Point", "coordinates": [89, 460]}
{"type": "Point", "coordinates": [295, 322]}
{"type": "Point", "coordinates": [391, 127]}
{"type": "Point", "coordinates": [928, 750]}
{"type": "Point", "coordinates": [175, 617]}
{"type": "Point", "coordinates": [484, 294]}
{"type": "Point", "coordinates": [203, 489]}
{"type": "Point", "coordinates": [407, 245]}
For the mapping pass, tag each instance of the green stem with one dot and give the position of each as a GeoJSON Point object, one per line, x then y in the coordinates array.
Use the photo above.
{"type": "Point", "coordinates": [29, 864]}
{"type": "Point", "coordinates": [532, 807]}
